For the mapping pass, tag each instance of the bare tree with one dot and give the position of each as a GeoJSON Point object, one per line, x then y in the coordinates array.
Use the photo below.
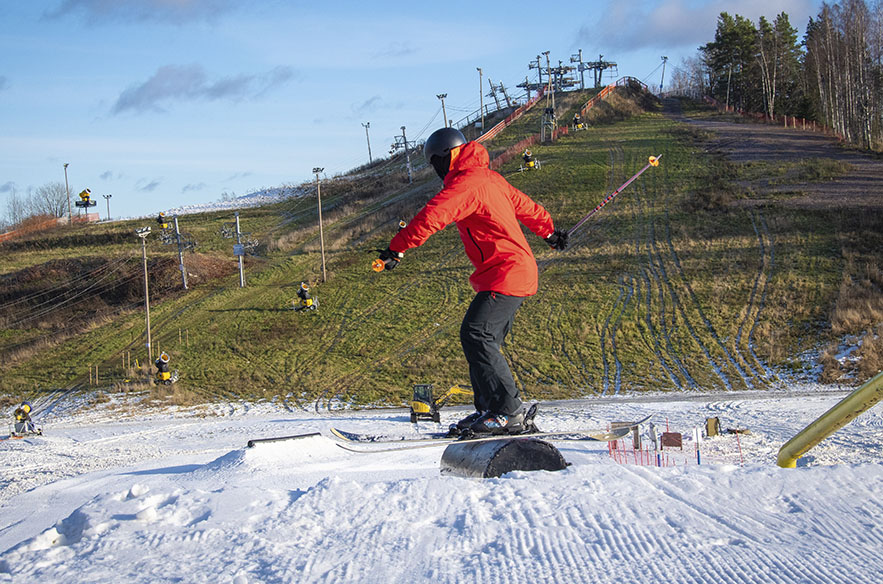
{"type": "Point", "coordinates": [16, 208]}
{"type": "Point", "coordinates": [840, 53]}
{"type": "Point", "coordinates": [49, 199]}
{"type": "Point", "coordinates": [689, 78]}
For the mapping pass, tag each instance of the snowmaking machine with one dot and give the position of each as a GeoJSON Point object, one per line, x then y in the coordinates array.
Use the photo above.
{"type": "Point", "coordinates": [304, 300]}
{"type": "Point", "coordinates": [23, 424]}
{"type": "Point", "coordinates": [528, 161]}
{"type": "Point", "coordinates": [85, 199]}
{"type": "Point", "coordinates": [164, 374]}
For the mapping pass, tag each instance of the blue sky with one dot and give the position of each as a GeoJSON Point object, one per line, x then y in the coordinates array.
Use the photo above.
{"type": "Point", "coordinates": [163, 103]}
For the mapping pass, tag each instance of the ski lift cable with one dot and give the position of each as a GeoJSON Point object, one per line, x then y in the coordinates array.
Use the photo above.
{"type": "Point", "coordinates": [55, 301]}
{"type": "Point", "coordinates": [70, 299]}
{"type": "Point", "coordinates": [646, 77]}
{"type": "Point", "coordinates": [92, 273]}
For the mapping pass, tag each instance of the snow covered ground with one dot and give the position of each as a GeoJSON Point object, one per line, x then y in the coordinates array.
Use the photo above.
{"type": "Point", "coordinates": [113, 495]}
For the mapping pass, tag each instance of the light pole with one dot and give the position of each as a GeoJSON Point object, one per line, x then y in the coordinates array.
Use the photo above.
{"type": "Point", "coordinates": [367, 125]}
{"type": "Point", "coordinates": [442, 97]}
{"type": "Point", "coordinates": [662, 81]}
{"type": "Point", "coordinates": [143, 233]}
{"type": "Point", "coordinates": [107, 198]}
{"type": "Point", "coordinates": [70, 218]}
{"type": "Point", "coordinates": [481, 97]}
{"type": "Point", "coordinates": [317, 170]}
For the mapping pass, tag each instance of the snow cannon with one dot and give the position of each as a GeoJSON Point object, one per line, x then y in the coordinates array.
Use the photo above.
{"type": "Point", "coordinates": [23, 424]}
{"type": "Point", "coordinates": [162, 221]}
{"type": "Point", "coordinates": [305, 301]}
{"type": "Point", "coordinates": [85, 199]}
{"type": "Point", "coordinates": [494, 458]}
{"type": "Point", "coordinates": [164, 375]}
{"type": "Point", "coordinates": [578, 123]}
{"type": "Point", "coordinates": [423, 406]}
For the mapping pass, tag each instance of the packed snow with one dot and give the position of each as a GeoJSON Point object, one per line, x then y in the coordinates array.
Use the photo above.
{"type": "Point", "coordinates": [122, 493]}
{"type": "Point", "coordinates": [256, 198]}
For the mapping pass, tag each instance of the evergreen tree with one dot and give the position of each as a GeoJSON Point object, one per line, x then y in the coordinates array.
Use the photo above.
{"type": "Point", "coordinates": [730, 60]}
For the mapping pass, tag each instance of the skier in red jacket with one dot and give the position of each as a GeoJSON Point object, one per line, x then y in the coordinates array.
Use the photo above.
{"type": "Point", "coordinates": [488, 212]}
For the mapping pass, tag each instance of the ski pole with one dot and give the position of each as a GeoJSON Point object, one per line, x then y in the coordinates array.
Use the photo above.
{"type": "Point", "coordinates": [654, 161]}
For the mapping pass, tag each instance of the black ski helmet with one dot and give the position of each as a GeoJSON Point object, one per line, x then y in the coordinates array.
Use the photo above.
{"type": "Point", "coordinates": [438, 146]}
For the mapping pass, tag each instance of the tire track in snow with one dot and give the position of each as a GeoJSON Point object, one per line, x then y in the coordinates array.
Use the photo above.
{"type": "Point", "coordinates": [770, 259]}
{"type": "Point", "coordinates": [652, 276]}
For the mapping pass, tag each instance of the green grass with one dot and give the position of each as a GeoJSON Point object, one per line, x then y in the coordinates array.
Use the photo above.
{"type": "Point", "coordinates": [668, 287]}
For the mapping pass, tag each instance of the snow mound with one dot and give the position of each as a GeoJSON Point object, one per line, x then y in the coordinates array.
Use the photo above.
{"type": "Point", "coordinates": [273, 457]}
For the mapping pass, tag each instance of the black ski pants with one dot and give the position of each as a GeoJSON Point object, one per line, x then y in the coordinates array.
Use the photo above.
{"type": "Point", "coordinates": [486, 324]}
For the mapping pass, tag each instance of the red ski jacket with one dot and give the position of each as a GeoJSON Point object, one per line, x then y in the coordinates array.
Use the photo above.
{"type": "Point", "coordinates": [487, 211]}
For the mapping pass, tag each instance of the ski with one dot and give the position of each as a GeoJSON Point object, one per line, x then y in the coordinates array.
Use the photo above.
{"type": "Point", "coordinates": [384, 439]}
{"type": "Point", "coordinates": [354, 437]}
{"type": "Point", "coordinates": [590, 435]}
{"type": "Point", "coordinates": [529, 426]}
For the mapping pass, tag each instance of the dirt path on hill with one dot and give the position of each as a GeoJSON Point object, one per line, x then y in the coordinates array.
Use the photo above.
{"type": "Point", "coordinates": [861, 187]}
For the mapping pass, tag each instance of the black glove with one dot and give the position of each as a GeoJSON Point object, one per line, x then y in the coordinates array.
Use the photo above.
{"type": "Point", "coordinates": [558, 240]}
{"type": "Point", "coordinates": [390, 258]}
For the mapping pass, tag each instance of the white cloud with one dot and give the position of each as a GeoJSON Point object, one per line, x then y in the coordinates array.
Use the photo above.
{"type": "Point", "coordinates": [632, 24]}
{"type": "Point", "coordinates": [176, 83]}
{"type": "Point", "coordinates": [163, 11]}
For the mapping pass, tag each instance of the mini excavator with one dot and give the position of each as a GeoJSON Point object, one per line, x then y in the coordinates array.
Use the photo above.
{"type": "Point", "coordinates": [424, 407]}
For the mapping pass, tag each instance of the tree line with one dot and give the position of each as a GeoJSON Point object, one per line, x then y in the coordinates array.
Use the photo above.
{"type": "Point", "coordinates": [833, 75]}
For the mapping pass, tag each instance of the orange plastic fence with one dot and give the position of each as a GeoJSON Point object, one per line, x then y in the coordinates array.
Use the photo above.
{"type": "Point", "coordinates": [778, 120]}
{"type": "Point", "coordinates": [48, 224]}
{"type": "Point", "coordinates": [517, 149]}
{"type": "Point", "coordinates": [511, 117]}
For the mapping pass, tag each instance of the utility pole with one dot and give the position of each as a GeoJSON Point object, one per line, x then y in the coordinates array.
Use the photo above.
{"type": "Point", "coordinates": [408, 153]}
{"type": "Point", "coordinates": [662, 81]}
{"type": "Point", "coordinates": [181, 253]}
{"type": "Point", "coordinates": [107, 198]}
{"type": "Point", "coordinates": [70, 217]}
{"type": "Point", "coordinates": [402, 142]}
{"type": "Point", "coordinates": [143, 233]}
{"type": "Point", "coordinates": [239, 250]}
{"type": "Point", "coordinates": [367, 125]}
{"type": "Point", "coordinates": [317, 170]}
{"type": "Point", "coordinates": [442, 97]}
{"type": "Point", "coordinates": [481, 97]}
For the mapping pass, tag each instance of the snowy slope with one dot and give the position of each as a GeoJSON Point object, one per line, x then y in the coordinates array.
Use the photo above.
{"type": "Point", "coordinates": [118, 496]}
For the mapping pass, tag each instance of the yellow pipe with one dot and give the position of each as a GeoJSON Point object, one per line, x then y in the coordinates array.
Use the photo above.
{"type": "Point", "coordinates": [845, 411]}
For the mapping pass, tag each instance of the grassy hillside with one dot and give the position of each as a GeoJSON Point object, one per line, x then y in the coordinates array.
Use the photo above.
{"type": "Point", "coordinates": [673, 286]}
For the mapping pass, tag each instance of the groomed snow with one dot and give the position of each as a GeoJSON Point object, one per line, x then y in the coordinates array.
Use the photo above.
{"type": "Point", "coordinates": [113, 495]}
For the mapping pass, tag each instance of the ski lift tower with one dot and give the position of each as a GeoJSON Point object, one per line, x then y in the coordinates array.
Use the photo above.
{"type": "Point", "coordinates": [549, 123]}
{"type": "Point", "coordinates": [562, 81]}
{"type": "Point", "coordinates": [598, 67]}
{"type": "Point", "coordinates": [581, 67]}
